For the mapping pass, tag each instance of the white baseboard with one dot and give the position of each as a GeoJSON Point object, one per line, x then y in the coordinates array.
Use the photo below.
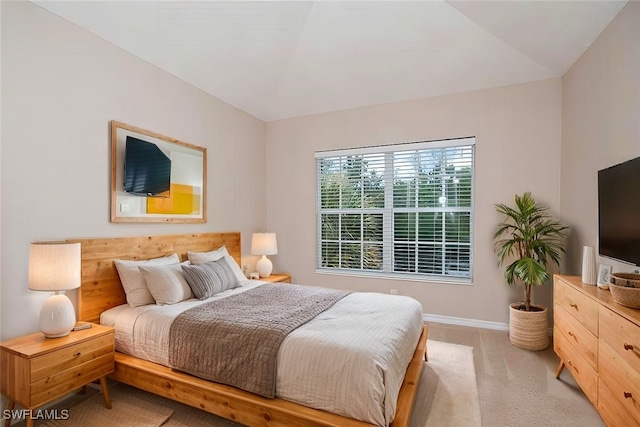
{"type": "Point", "coordinates": [461, 321]}
{"type": "Point", "coordinates": [474, 323]}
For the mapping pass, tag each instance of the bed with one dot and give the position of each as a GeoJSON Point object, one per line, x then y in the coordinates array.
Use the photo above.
{"type": "Point", "coordinates": [101, 290]}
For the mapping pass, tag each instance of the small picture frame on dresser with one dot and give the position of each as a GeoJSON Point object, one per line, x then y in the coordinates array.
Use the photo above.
{"type": "Point", "coordinates": [604, 272]}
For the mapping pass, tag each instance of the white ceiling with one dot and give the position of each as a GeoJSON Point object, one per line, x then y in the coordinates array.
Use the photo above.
{"type": "Point", "coordinates": [278, 60]}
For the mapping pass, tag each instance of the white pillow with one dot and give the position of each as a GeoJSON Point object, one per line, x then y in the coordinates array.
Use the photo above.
{"type": "Point", "coordinates": [166, 283]}
{"type": "Point", "coordinates": [197, 258]}
{"type": "Point", "coordinates": [133, 282]}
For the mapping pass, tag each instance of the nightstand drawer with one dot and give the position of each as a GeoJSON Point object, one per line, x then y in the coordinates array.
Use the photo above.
{"type": "Point", "coordinates": [70, 357]}
{"type": "Point", "coordinates": [49, 388]}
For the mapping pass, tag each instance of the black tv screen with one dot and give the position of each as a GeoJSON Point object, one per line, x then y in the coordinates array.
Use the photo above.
{"type": "Point", "coordinates": [147, 170]}
{"type": "Point", "coordinates": [619, 211]}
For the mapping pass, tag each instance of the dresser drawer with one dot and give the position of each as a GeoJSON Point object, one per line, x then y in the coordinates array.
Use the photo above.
{"type": "Point", "coordinates": [622, 335]}
{"type": "Point", "coordinates": [577, 334]}
{"type": "Point", "coordinates": [611, 409]}
{"type": "Point", "coordinates": [70, 357]}
{"type": "Point", "coordinates": [580, 306]}
{"type": "Point", "coordinates": [583, 373]}
{"type": "Point", "coordinates": [621, 379]}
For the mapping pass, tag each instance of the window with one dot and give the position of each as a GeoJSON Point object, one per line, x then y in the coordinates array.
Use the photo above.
{"type": "Point", "coordinates": [403, 209]}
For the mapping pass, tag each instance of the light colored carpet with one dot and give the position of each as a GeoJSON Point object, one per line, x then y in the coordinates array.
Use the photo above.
{"type": "Point", "coordinates": [518, 388]}
{"type": "Point", "coordinates": [447, 396]}
{"type": "Point", "coordinates": [448, 393]}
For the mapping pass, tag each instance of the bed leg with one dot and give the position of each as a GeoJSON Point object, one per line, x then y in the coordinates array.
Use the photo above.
{"type": "Point", "coordinates": [426, 331]}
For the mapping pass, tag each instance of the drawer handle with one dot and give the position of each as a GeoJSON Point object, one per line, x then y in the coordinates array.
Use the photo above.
{"type": "Point", "coordinates": [574, 305]}
{"type": "Point", "coordinates": [571, 334]}
{"type": "Point", "coordinates": [77, 354]}
{"type": "Point", "coordinates": [628, 347]}
{"type": "Point", "coordinates": [573, 366]}
{"type": "Point", "coordinates": [627, 395]}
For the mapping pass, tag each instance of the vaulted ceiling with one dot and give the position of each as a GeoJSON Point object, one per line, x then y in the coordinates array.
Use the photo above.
{"type": "Point", "coordinates": [277, 60]}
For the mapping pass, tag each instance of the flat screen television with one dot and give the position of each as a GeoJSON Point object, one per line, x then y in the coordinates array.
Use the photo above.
{"type": "Point", "coordinates": [147, 170]}
{"type": "Point", "coordinates": [619, 211]}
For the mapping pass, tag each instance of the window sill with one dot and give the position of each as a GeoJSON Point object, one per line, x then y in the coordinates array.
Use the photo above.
{"type": "Point", "coordinates": [392, 276]}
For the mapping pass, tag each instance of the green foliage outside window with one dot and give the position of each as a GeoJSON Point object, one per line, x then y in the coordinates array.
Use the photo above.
{"type": "Point", "coordinates": [430, 212]}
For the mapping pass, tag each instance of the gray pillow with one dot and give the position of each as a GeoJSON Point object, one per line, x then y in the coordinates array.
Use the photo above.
{"type": "Point", "coordinates": [206, 280]}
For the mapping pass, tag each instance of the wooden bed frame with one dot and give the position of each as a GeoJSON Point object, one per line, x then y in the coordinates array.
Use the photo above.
{"type": "Point", "coordinates": [101, 289]}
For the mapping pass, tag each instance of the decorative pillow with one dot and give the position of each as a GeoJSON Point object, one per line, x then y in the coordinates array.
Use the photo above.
{"type": "Point", "coordinates": [197, 258]}
{"type": "Point", "coordinates": [210, 278]}
{"type": "Point", "coordinates": [202, 257]}
{"type": "Point", "coordinates": [133, 282]}
{"type": "Point", "coordinates": [166, 283]}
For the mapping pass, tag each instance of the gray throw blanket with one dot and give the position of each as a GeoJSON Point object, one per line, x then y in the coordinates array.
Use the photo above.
{"type": "Point", "coordinates": [235, 340]}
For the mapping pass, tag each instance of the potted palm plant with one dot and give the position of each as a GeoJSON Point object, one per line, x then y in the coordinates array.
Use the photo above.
{"type": "Point", "coordinates": [528, 239]}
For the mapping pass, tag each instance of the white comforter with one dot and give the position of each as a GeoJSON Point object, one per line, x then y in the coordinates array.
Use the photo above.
{"type": "Point", "coordinates": [349, 360]}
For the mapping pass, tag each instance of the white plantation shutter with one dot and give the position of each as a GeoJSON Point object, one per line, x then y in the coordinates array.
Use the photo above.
{"type": "Point", "coordinates": [401, 209]}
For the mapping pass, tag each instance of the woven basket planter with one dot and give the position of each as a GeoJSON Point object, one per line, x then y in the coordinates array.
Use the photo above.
{"type": "Point", "coordinates": [528, 329]}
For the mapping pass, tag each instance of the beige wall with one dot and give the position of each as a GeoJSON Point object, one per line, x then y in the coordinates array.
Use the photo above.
{"type": "Point", "coordinates": [61, 86]}
{"type": "Point", "coordinates": [517, 130]}
{"type": "Point", "coordinates": [600, 125]}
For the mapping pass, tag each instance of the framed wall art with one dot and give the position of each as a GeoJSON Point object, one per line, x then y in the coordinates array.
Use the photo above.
{"type": "Point", "coordinates": [155, 178]}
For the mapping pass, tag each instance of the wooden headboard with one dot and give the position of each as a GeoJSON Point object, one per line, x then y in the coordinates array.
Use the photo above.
{"type": "Point", "coordinates": [101, 289]}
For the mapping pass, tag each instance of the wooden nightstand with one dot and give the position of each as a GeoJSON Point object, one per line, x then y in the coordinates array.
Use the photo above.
{"type": "Point", "coordinates": [277, 278]}
{"type": "Point", "coordinates": [37, 370]}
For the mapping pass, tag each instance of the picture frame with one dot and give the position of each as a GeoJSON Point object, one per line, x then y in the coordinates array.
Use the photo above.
{"type": "Point", "coordinates": [184, 202]}
{"type": "Point", "coordinates": [604, 272]}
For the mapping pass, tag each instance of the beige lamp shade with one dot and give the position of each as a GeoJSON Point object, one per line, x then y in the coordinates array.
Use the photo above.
{"type": "Point", "coordinates": [264, 244]}
{"type": "Point", "coordinates": [54, 266]}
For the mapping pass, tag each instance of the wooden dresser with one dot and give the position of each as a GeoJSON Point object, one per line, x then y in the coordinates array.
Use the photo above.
{"type": "Point", "coordinates": [598, 340]}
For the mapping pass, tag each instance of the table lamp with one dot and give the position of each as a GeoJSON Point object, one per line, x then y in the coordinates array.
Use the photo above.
{"type": "Point", "coordinates": [264, 244]}
{"type": "Point", "coordinates": [55, 267]}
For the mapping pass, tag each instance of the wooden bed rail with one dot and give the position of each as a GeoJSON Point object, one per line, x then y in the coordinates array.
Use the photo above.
{"type": "Point", "coordinates": [251, 409]}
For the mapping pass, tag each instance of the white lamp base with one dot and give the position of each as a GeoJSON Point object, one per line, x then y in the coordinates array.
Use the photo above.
{"type": "Point", "coordinates": [57, 316]}
{"type": "Point", "coordinates": [264, 266]}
